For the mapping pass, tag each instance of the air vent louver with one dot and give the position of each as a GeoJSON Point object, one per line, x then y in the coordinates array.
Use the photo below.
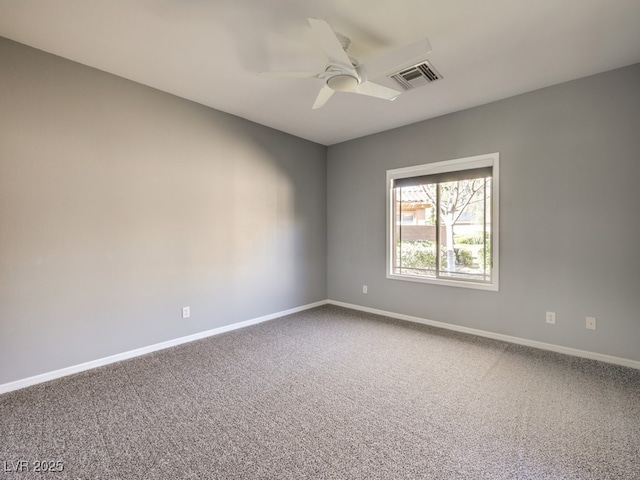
{"type": "Point", "coordinates": [417, 75]}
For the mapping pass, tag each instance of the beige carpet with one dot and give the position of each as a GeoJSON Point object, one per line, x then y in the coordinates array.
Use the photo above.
{"type": "Point", "coordinates": [331, 393]}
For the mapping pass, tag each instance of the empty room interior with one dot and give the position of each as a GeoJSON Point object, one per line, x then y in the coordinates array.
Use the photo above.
{"type": "Point", "coordinates": [340, 240]}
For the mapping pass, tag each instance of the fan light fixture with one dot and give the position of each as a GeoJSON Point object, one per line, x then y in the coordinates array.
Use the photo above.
{"type": "Point", "coordinates": [342, 83]}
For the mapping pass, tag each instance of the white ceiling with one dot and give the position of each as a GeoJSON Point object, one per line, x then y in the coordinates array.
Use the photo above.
{"type": "Point", "coordinates": [210, 51]}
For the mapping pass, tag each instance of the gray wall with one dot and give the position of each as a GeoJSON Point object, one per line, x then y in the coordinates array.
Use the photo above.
{"type": "Point", "coordinates": [120, 204]}
{"type": "Point", "coordinates": [569, 214]}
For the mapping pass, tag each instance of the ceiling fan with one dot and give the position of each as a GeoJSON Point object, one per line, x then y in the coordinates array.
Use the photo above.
{"type": "Point", "coordinates": [345, 74]}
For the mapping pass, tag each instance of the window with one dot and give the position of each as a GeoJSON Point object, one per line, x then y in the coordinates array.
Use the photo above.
{"type": "Point", "coordinates": [442, 222]}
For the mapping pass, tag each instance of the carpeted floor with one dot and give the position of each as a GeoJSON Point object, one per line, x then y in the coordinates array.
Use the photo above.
{"type": "Point", "coordinates": [331, 393]}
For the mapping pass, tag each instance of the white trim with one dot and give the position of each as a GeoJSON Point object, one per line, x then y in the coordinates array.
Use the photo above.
{"type": "Point", "coordinates": [492, 287]}
{"type": "Point", "coordinates": [625, 362]}
{"type": "Point", "coordinates": [63, 372]}
{"type": "Point", "coordinates": [477, 161]}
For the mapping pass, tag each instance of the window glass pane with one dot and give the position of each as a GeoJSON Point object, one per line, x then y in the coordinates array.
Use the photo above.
{"type": "Point", "coordinates": [415, 235]}
{"type": "Point", "coordinates": [463, 212]}
{"type": "Point", "coordinates": [464, 238]}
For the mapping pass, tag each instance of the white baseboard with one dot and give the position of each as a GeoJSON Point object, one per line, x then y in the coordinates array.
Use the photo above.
{"type": "Point", "coordinates": [497, 336]}
{"type": "Point", "coordinates": [63, 372]}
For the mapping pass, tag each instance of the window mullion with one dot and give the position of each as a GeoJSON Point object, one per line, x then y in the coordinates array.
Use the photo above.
{"type": "Point", "coordinates": [484, 230]}
{"type": "Point", "coordinates": [399, 223]}
{"type": "Point", "coordinates": [437, 208]}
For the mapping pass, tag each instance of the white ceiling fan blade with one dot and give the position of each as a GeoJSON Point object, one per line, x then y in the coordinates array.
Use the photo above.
{"type": "Point", "coordinates": [376, 90]}
{"type": "Point", "coordinates": [399, 58]}
{"type": "Point", "coordinates": [323, 96]}
{"type": "Point", "coordinates": [330, 44]}
{"type": "Point", "coordinates": [288, 74]}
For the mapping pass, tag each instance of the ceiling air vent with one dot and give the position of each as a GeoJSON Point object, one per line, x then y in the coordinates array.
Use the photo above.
{"type": "Point", "coordinates": [416, 76]}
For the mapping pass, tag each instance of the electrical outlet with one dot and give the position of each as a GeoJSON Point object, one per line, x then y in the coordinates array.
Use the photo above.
{"type": "Point", "coordinates": [364, 289]}
{"type": "Point", "coordinates": [186, 312]}
{"type": "Point", "coordinates": [591, 323]}
{"type": "Point", "coordinates": [551, 317]}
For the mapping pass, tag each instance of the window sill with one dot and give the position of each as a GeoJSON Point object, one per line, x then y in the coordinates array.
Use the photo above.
{"type": "Point", "coordinates": [447, 283]}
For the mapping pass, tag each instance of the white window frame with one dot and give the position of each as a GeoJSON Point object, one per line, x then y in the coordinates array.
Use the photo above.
{"type": "Point", "coordinates": [478, 161]}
